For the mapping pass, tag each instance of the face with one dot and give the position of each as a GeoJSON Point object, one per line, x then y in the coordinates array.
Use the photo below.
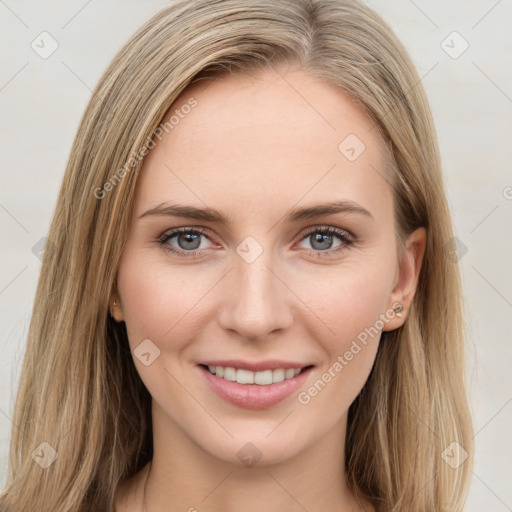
{"type": "Point", "coordinates": [261, 280]}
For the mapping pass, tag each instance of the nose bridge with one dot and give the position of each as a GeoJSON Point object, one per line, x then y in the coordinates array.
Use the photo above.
{"type": "Point", "coordinates": [257, 300]}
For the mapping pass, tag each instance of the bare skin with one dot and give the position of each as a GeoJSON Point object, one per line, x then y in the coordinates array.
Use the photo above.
{"type": "Point", "coordinates": [255, 148]}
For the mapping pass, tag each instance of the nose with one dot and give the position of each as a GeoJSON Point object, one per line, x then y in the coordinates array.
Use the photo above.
{"type": "Point", "coordinates": [257, 299]}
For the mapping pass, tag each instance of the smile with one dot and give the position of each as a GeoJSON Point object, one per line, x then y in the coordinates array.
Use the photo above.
{"type": "Point", "coordinates": [262, 378]}
{"type": "Point", "coordinates": [254, 389]}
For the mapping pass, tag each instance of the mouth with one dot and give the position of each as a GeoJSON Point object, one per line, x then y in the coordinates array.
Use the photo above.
{"type": "Point", "coordinates": [254, 389]}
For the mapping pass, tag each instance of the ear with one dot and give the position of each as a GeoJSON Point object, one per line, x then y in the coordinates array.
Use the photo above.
{"type": "Point", "coordinates": [116, 309]}
{"type": "Point", "coordinates": [407, 279]}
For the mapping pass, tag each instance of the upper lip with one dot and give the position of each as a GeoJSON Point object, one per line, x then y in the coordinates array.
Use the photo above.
{"type": "Point", "coordinates": [255, 366]}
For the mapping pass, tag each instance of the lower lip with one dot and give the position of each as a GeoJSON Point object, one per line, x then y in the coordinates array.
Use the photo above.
{"type": "Point", "coordinates": [254, 396]}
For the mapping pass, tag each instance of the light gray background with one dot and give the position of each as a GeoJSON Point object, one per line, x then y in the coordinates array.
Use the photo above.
{"type": "Point", "coordinates": [42, 101]}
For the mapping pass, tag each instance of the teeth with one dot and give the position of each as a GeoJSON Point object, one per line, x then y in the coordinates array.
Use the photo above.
{"type": "Point", "coordinates": [275, 375]}
{"type": "Point", "coordinates": [289, 373]}
{"type": "Point", "coordinates": [263, 378]}
{"type": "Point", "coordinates": [244, 377]}
{"type": "Point", "coordinates": [229, 373]}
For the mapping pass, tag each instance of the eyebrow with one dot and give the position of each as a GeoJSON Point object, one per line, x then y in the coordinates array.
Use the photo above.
{"type": "Point", "coordinates": [294, 215]}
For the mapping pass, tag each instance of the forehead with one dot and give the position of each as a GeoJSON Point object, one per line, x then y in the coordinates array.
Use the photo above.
{"type": "Point", "coordinates": [276, 137]}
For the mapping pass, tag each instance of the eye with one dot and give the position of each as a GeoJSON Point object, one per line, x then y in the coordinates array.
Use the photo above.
{"type": "Point", "coordinates": [321, 240]}
{"type": "Point", "coordinates": [188, 240]}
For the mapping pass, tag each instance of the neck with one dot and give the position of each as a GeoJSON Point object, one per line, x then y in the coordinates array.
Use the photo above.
{"type": "Point", "coordinates": [145, 486]}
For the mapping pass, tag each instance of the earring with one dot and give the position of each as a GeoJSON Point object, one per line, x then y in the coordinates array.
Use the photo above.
{"type": "Point", "coordinates": [398, 310]}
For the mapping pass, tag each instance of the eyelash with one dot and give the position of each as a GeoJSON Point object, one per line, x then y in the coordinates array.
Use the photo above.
{"type": "Point", "coordinates": [346, 239]}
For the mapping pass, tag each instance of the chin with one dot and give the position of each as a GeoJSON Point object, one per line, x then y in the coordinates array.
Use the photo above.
{"type": "Point", "coordinates": [258, 449]}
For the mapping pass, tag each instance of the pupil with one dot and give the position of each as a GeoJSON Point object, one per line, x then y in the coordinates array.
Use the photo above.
{"type": "Point", "coordinates": [323, 239]}
{"type": "Point", "coordinates": [189, 238]}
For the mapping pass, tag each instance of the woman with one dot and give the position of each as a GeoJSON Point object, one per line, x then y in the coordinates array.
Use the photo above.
{"type": "Point", "coordinates": [248, 370]}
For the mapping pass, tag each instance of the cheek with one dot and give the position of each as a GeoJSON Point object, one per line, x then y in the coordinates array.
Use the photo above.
{"type": "Point", "coordinates": [351, 300]}
{"type": "Point", "coordinates": [155, 301]}
{"type": "Point", "coordinates": [161, 305]}
{"type": "Point", "coordinates": [352, 307]}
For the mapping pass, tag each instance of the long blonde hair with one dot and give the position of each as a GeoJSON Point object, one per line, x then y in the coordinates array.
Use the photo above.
{"type": "Point", "coordinates": [79, 391]}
